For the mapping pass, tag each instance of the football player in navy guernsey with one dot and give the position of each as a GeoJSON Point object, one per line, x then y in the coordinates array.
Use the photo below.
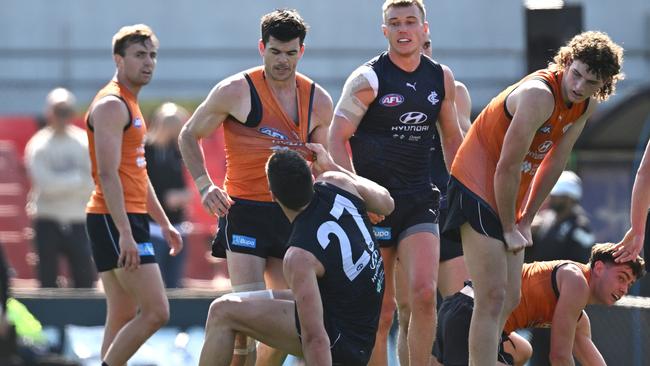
{"type": "Point", "coordinates": [388, 111]}
{"type": "Point", "coordinates": [333, 267]}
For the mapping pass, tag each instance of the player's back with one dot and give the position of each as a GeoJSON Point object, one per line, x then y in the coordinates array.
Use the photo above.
{"type": "Point", "coordinates": [335, 228]}
{"type": "Point", "coordinates": [539, 295]}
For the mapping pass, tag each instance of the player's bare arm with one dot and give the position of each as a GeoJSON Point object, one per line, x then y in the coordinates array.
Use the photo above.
{"type": "Point", "coordinates": [322, 116]}
{"type": "Point", "coordinates": [584, 348]}
{"type": "Point", "coordinates": [229, 97]}
{"type": "Point", "coordinates": [451, 135]}
{"type": "Point", "coordinates": [531, 104]}
{"type": "Point", "coordinates": [376, 197]}
{"type": "Point", "coordinates": [574, 295]}
{"type": "Point", "coordinates": [108, 118]}
{"type": "Point", "coordinates": [357, 94]}
{"type": "Point", "coordinates": [301, 270]}
{"type": "Point", "coordinates": [631, 244]}
{"type": "Point", "coordinates": [463, 107]}
{"type": "Point", "coordinates": [552, 166]}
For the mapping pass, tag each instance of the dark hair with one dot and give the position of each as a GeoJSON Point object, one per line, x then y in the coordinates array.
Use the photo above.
{"type": "Point", "coordinates": [605, 253]}
{"type": "Point", "coordinates": [290, 179]}
{"type": "Point", "coordinates": [603, 57]}
{"type": "Point", "coordinates": [284, 25]}
{"type": "Point", "coordinates": [130, 34]}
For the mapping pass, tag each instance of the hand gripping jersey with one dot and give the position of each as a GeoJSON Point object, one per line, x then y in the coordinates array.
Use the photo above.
{"type": "Point", "coordinates": [476, 160]}
{"type": "Point", "coordinates": [249, 144]}
{"type": "Point", "coordinates": [133, 166]}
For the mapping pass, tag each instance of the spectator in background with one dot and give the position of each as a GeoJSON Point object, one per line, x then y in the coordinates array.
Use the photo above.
{"type": "Point", "coordinates": [56, 158]}
{"type": "Point", "coordinates": [165, 169]}
{"type": "Point", "coordinates": [562, 231]}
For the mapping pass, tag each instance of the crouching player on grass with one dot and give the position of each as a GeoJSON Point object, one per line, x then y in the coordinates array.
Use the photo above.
{"type": "Point", "coordinates": [333, 268]}
{"type": "Point", "coordinates": [553, 294]}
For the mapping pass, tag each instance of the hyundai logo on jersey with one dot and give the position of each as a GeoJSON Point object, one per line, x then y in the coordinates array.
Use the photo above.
{"type": "Point", "coordinates": [391, 100]}
{"type": "Point", "coordinates": [413, 118]}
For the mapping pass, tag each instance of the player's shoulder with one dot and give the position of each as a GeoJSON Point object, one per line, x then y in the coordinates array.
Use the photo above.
{"type": "Point", "coordinates": [110, 107]}
{"type": "Point", "coordinates": [233, 85]}
{"type": "Point", "coordinates": [571, 278]}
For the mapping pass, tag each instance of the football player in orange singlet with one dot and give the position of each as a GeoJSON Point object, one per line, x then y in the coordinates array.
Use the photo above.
{"type": "Point", "coordinates": [553, 294]}
{"type": "Point", "coordinates": [262, 109]}
{"type": "Point", "coordinates": [123, 199]}
{"type": "Point", "coordinates": [507, 164]}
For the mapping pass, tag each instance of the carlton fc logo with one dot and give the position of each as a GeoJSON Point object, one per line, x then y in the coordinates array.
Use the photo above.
{"type": "Point", "coordinates": [391, 100]}
{"type": "Point", "coordinates": [433, 98]}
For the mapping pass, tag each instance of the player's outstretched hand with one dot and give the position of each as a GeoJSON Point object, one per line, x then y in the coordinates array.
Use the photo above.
{"type": "Point", "coordinates": [628, 248]}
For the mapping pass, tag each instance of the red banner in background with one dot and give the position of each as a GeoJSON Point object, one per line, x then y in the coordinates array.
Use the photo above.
{"type": "Point", "coordinates": [15, 227]}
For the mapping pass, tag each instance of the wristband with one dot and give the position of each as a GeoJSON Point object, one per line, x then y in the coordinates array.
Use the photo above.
{"type": "Point", "coordinates": [202, 183]}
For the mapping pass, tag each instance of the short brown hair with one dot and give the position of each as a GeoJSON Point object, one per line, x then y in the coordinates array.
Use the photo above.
{"type": "Point", "coordinates": [404, 4]}
{"type": "Point", "coordinates": [605, 253]}
{"type": "Point", "coordinates": [284, 25]}
{"type": "Point", "coordinates": [130, 34]}
{"type": "Point", "coordinates": [603, 57]}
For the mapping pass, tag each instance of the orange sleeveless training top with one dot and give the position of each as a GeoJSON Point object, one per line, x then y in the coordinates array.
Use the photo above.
{"type": "Point", "coordinates": [538, 295]}
{"type": "Point", "coordinates": [249, 144]}
{"type": "Point", "coordinates": [476, 159]}
{"type": "Point", "coordinates": [133, 166]}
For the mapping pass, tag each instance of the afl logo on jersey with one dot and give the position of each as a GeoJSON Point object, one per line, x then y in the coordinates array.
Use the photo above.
{"type": "Point", "coordinates": [391, 100]}
{"type": "Point", "coordinates": [413, 118]}
{"type": "Point", "coordinates": [273, 133]}
{"type": "Point", "coordinates": [137, 122]}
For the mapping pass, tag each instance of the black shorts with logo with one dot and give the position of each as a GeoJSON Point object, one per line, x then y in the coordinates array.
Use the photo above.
{"type": "Point", "coordinates": [466, 206]}
{"type": "Point", "coordinates": [451, 345]}
{"type": "Point", "coordinates": [413, 213]}
{"type": "Point", "coordinates": [345, 351]}
{"type": "Point", "coordinates": [104, 239]}
{"type": "Point", "coordinates": [253, 227]}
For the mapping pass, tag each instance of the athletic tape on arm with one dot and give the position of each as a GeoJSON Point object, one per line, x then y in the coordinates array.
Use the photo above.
{"type": "Point", "coordinates": [349, 106]}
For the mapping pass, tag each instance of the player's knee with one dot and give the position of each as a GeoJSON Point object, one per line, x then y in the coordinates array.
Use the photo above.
{"type": "Point", "coordinates": [424, 297]}
{"type": "Point", "coordinates": [492, 302]}
{"type": "Point", "coordinates": [157, 316]}
{"type": "Point", "coordinates": [122, 315]}
{"type": "Point", "coordinates": [219, 311]}
{"type": "Point", "coordinates": [523, 354]}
